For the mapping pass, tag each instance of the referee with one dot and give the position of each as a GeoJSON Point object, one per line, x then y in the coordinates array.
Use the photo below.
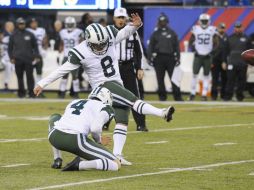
{"type": "Point", "coordinates": [129, 55]}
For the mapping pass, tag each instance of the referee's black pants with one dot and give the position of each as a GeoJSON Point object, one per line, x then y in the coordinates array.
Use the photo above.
{"type": "Point", "coordinates": [20, 68]}
{"type": "Point", "coordinates": [128, 75]}
{"type": "Point", "coordinates": [219, 79]}
{"type": "Point", "coordinates": [166, 63]}
{"type": "Point", "coordinates": [236, 76]}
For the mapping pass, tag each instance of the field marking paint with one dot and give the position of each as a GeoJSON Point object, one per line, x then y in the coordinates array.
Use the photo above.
{"type": "Point", "coordinates": [138, 132]}
{"type": "Point", "coordinates": [51, 100]}
{"type": "Point", "coordinates": [252, 173]}
{"type": "Point", "coordinates": [21, 140]}
{"type": "Point", "coordinates": [157, 142]}
{"type": "Point", "coordinates": [14, 165]}
{"type": "Point", "coordinates": [36, 118]}
{"type": "Point", "coordinates": [224, 144]}
{"type": "Point", "coordinates": [198, 169]}
{"type": "Point", "coordinates": [143, 174]}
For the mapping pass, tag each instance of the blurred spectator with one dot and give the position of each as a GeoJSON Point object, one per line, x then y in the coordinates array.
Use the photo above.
{"type": "Point", "coordinates": [86, 19]}
{"type": "Point", "coordinates": [220, 2]}
{"type": "Point", "coordinates": [236, 68]}
{"type": "Point", "coordinates": [102, 22]}
{"type": "Point", "coordinates": [70, 37]}
{"type": "Point", "coordinates": [23, 50]}
{"type": "Point", "coordinates": [201, 3]}
{"type": "Point", "coordinates": [252, 40]}
{"type": "Point", "coordinates": [163, 51]}
{"type": "Point", "coordinates": [238, 2]}
{"type": "Point", "coordinates": [219, 75]}
{"type": "Point", "coordinates": [203, 41]}
{"type": "Point", "coordinates": [42, 42]}
{"type": "Point", "coordinates": [8, 66]}
{"type": "Point", "coordinates": [55, 36]}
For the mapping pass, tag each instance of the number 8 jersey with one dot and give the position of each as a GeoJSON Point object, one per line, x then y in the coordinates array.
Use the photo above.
{"type": "Point", "coordinates": [203, 39]}
{"type": "Point", "coordinates": [99, 68]}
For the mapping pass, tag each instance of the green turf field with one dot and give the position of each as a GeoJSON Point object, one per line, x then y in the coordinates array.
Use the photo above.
{"type": "Point", "coordinates": [206, 147]}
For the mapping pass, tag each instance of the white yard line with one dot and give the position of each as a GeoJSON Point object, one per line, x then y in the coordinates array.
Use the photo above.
{"type": "Point", "coordinates": [157, 142]}
{"type": "Point", "coordinates": [21, 140]}
{"type": "Point", "coordinates": [21, 101]}
{"type": "Point", "coordinates": [35, 118]}
{"type": "Point", "coordinates": [224, 144]}
{"type": "Point", "coordinates": [14, 165]}
{"type": "Point", "coordinates": [198, 169]}
{"type": "Point", "coordinates": [150, 131]}
{"type": "Point", "coordinates": [252, 173]}
{"type": "Point", "coordinates": [143, 174]}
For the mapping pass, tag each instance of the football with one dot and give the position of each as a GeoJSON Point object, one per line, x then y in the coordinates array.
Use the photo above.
{"type": "Point", "coordinates": [248, 56]}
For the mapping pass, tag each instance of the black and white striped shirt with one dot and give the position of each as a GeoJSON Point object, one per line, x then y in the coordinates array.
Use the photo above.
{"type": "Point", "coordinates": [130, 49]}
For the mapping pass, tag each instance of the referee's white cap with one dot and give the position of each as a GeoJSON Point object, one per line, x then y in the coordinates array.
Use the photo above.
{"type": "Point", "coordinates": [120, 12]}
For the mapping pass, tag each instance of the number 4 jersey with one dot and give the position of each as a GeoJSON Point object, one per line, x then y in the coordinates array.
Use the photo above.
{"type": "Point", "coordinates": [203, 39]}
{"type": "Point", "coordinates": [84, 116]}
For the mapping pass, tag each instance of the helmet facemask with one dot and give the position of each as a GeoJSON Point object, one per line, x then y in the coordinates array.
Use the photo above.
{"type": "Point", "coordinates": [99, 49]}
{"type": "Point", "coordinates": [204, 20]}
{"type": "Point", "coordinates": [70, 23]}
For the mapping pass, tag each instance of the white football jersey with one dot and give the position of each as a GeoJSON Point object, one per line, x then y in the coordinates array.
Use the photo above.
{"type": "Point", "coordinates": [80, 115]}
{"type": "Point", "coordinates": [203, 39]}
{"type": "Point", "coordinates": [70, 39]}
{"type": "Point", "coordinates": [99, 68]}
{"type": "Point", "coordinates": [5, 42]}
{"type": "Point", "coordinates": [39, 34]}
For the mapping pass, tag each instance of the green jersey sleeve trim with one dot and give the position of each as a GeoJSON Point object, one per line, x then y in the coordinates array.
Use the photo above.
{"type": "Point", "coordinates": [113, 30]}
{"type": "Point", "coordinates": [73, 58]}
{"type": "Point", "coordinates": [109, 110]}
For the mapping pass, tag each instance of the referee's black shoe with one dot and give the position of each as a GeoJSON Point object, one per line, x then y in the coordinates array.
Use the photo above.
{"type": "Point", "coordinates": [142, 128]}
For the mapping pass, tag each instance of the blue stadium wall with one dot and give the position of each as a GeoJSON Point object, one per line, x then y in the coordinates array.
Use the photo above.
{"type": "Point", "coordinates": [182, 19]}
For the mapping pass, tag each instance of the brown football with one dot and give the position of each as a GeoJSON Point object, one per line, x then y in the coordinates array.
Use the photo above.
{"type": "Point", "coordinates": [248, 56]}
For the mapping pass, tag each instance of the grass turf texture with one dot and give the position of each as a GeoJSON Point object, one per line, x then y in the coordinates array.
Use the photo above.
{"type": "Point", "coordinates": [183, 149]}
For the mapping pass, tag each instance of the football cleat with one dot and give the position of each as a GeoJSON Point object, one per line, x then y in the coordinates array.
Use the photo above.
{"type": "Point", "coordinates": [168, 113]}
{"type": "Point", "coordinates": [123, 161]}
{"type": "Point", "coordinates": [142, 128]}
{"type": "Point", "coordinates": [191, 97]}
{"type": "Point", "coordinates": [73, 165]}
{"type": "Point", "coordinates": [57, 163]}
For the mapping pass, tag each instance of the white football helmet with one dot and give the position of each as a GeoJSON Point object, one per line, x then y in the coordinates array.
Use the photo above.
{"type": "Point", "coordinates": [70, 23]}
{"type": "Point", "coordinates": [102, 94]}
{"type": "Point", "coordinates": [97, 38]}
{"type": "Point", "coordinates": [204, 20]}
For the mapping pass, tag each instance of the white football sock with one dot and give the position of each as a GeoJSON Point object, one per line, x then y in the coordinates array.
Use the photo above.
{"type": "Point", "coordinates": [144, 108]}
{"type": "Point", "coordinates": [7, 72]}
{"type": "Point", "coordinates": [75, 84]}
{"type": "Point", "coordinates": [205, 85]}
{"type": "Point", "coordinates": [193, 84]}
{"type": "Point", "coordinates": [119, 138]}
{"type": "Point", "coordinates": [56, 153]}
{"type": "Point", "coordinates": [63, 84]}
{"type": "Point", "coordinates": [99, 164]}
